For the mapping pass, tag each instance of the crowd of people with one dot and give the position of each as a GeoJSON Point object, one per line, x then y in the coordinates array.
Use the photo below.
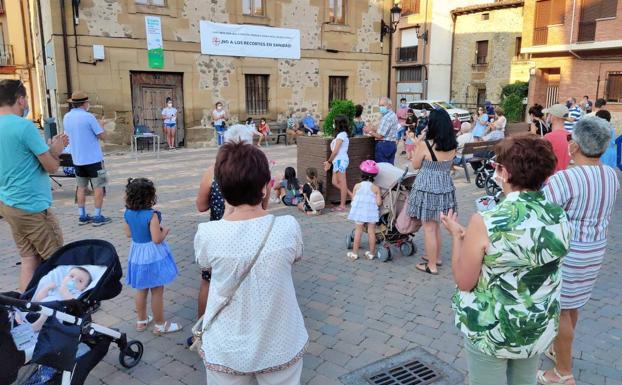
{"type": "Point", "coordinates": [522, 269]}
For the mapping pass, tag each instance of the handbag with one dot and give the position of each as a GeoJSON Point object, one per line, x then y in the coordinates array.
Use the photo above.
{"type": "Point", "coordinates": [198, 329]}
{"type": "Point", "coordinates": [406, 224]}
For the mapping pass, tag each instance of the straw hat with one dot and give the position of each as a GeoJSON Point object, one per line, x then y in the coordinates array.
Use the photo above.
{"type": "Point", "coordinates": [78, 97]}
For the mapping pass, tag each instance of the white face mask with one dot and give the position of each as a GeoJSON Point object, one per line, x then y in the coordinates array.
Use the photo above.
{"type": "Point", "coordinates": [498, 179]}
{"type": "Point", "coordinates": [170, 105]}
{"type": "Point", "coordinates": [219, 108]}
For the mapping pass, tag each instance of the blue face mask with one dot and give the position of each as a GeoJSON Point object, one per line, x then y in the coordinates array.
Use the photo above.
{"type": "Point", "coordinates": [25, 112]}
{"type": "Point", "coordinates": [71, 284]}
{"type": "Point", "coordinates": [383, 110]}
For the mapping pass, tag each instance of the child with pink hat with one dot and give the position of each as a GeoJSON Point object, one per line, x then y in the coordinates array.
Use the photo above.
{"type": "Point", "coordinates": [364, 210]}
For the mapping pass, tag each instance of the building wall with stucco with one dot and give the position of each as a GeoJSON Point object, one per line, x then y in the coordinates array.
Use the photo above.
{"type": "Point", "coordinates": [501, 30]}
{"type": "Point", "coordinates": [351, 50]}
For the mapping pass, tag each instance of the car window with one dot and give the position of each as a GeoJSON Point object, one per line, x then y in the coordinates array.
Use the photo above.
{"type": "Point", "coordinates": [428, 106]}
{"type": "Point", "coordinates": [415, 106]}
{"type": "Point", "coordinates": [445, 105]}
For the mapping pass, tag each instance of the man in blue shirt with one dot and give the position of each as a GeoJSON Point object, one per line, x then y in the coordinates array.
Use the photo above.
{"type": "Point", "coordinates": [85, 132]}
{"type": "Point", "coordinates": [25, 190]}
{"type": "Point", "coordinates": [309, 124]}
{"type": "Point", "coordinates": [386, 134]}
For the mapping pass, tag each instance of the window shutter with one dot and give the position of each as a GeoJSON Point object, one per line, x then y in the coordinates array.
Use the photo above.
{"type": "Point", "coordinates": [558, 11]}
{"type": "Point", "coordinates": [543, 10]}
{"type": "Point", "coordinates": [590, 10]}
{"type": "Point", "coordinates": [608, 8]}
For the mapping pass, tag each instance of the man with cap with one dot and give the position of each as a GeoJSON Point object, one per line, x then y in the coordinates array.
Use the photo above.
{"type": "Point", "coordinates": [85, 132]}
{"type": "Point", "coordinates": [558, 135]}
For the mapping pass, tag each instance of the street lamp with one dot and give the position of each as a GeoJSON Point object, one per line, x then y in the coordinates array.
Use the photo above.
{"type": "Point", "coordinates": [387, 29]}
{"type": "Point", "coordinates": [423, 35]}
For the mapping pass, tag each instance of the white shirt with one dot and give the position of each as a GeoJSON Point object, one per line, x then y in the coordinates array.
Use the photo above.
{"type": "Point", "coordinates": [170, 114]}
{"type": "Point", "coordinates": [219, 117]}
{"type": "Point", "coordinates": [462, 140]}
{"type": "Point", "coordinates": [342, 154]}
{"type": "Point", "coordinates": [241, 132]}
{"type": "Point", "coordinates": [262, 327]}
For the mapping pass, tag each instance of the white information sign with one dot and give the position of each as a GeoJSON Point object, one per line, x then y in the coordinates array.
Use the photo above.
{"type": "Point", "coordinates": [155, 48]}
{"type": "Point", "coordinates": [249, 40]}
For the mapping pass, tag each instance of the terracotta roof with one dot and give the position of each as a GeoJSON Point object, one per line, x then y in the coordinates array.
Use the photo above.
{"type": "Point", "coordinates": [487, 7]}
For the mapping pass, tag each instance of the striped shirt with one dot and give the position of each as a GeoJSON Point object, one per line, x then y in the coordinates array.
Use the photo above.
{"type": "Point", "coordinates": [389, 126]}
{"type": "Point", "coordinates": [574, 112]}
{"type": "Point", "coordinates": [587, 194]}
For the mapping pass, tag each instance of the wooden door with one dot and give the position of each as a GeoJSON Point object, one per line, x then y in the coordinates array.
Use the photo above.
{"type": "Point", "coordinates": [149, 93]}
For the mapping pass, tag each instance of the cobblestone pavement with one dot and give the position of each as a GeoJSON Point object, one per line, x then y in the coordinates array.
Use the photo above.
{"type": "Point", "coordinates": [356, 312]}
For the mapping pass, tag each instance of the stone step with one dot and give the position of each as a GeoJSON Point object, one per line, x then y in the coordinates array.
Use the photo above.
{"type": "Point", "coordinates": [199, 134]}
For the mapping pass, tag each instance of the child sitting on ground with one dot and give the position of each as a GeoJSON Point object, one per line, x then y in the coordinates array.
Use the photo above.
{"type": "Point", "coordinates": [364, 210]}
{"type": "Point", "coordinates": [288, 190]}
{"type": "Point", "coordinates": [312, 192]}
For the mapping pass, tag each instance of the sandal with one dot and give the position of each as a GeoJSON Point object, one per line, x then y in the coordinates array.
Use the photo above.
{"type": "Point", "coordinates": [369, 255]}
{"type": "Point", "coordinates": [438, 263]}
{"type": "Point", "coordinates": [352, 256]}
{"type": "Point", "coordinates": [561, 380]}
{"type": "Point", "coordinates": [550, 354]}
{"type": "Point", "coordinates": [141, 326]}
{"type": "Point", "coordinates": [425, 268]}
{"type": "Point", "coordinates": [166, 327]}
{"type": "Point", "coordinates": [338, 209]}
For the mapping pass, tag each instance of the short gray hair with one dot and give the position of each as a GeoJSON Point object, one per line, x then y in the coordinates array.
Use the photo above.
{"type": "Point", "coordinates": [236, 133]}
{"type": "Point", "coordinates": [592, 134]}
{"type": "Point", "coordinates": [386, 100]}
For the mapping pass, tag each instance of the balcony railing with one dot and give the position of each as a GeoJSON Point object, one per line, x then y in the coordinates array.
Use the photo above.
{"type": "Point", "coordinates": [587, 31]}
{"type": "Point", "coordinates": [407, 54]}
{"type": "Point", "coordinates": [6, 55]}
{"type": "Point", "coordinates": [540, 35]}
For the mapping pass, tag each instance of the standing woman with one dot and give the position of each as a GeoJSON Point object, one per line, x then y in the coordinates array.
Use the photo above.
{"type": "Point", "coordinates": [587, 193]}
{"type": "Point", "coordinates": [433, 192]}
{"type": "Point", "coordinates": [220, 117]}
{"type": "Point", "coordinates": [538, 126]}
{"type": "Point", "coordinates": [339, 159]}
{"type": "Point", "coordinates": [169, 115]}
{"type": "Point", "coordinates": [252, 328]}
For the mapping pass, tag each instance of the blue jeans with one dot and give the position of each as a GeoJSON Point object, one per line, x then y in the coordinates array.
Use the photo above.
{"type": "Point", "coordinates": [220, 134]}
{"type": "Point", "coordinates": [385, 151]}
{"type": "Point", "coordinates": [401, 132]}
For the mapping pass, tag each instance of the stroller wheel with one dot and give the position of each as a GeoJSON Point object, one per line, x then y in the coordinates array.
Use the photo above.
{"type": "Point", "coordinates": [480, 180]}
{"type": "Point", "coordinates": [407, 248]}
{"type": "Point", "coordinates": [131, 355]}
{"type": "Point", "coordinates": [349, 241]}
{"type": "Point", "coordinates": [492, 188]}
{"type": "Point", "coordinates": [383, 254]}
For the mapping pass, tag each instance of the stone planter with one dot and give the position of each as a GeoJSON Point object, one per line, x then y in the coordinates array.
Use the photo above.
{"type": "Point", "coordinates": [314, 150]}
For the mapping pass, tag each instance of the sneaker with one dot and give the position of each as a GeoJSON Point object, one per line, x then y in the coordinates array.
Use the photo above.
{"type": "Point", "coordinates": [101, 220]}
{"type": "Point", "coordinates": [84, 220]}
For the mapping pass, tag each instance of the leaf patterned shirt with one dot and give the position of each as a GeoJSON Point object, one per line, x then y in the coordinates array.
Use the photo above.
{"type": "Point", "coordinates": [513, 311]}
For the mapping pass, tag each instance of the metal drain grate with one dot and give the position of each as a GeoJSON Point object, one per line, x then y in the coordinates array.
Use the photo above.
{"type": "Point", "coordinates": [411, 373]}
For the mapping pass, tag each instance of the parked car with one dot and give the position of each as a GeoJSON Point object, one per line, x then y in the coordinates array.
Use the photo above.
{"type": "Point", "coordinates": [430, 105]}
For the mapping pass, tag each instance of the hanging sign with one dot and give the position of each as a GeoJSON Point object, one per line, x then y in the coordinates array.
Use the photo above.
{"type": "Point", "coordinates": [249, 40]}
{"type": "Point", "coordinates": [155, 48]}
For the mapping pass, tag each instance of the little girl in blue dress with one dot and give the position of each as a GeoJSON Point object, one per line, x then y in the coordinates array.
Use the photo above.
{"type": "Point", "coordinates": [150, 261]}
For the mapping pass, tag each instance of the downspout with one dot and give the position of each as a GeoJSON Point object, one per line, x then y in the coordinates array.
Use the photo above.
{"type": "Point", "coordinates": [454, 17]}
{"type": "Point", "coordinates": [574, 5]}
{"type": "Point", "coordinates": [27, 51]}
{"type": "Point", "coordinates": [425, 45]}
{"type": "Point", "coordinates": [45, 58]}
{"type": "Point", "coordinates": [63, 23]}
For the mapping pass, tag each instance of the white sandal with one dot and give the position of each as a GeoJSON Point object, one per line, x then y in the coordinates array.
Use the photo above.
{"type": "Point", "coordinates": [369, 255]}
{"type": "Point", "coordinates": [141, 325]}
{"type": "Point", "coordinates": [550, 354]}
{"type": "Point", "coordinates": [352, 256]}
{"type": "Point", "coordinates": [166, 327]}
{"type": "Point", "coordinates": [561, 380]}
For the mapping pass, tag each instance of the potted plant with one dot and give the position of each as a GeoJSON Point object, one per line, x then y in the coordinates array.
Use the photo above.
{"type": "Point", "coordinates": [314, 150]}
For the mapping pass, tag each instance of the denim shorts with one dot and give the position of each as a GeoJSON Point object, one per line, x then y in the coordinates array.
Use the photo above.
{"type": "Point", "coordinates": [340, 165]}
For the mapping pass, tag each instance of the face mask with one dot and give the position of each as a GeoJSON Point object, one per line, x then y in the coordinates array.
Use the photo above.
{"type": "Point", "coordinates": [404, 105]}
{"type": "Point", "coordinates": [25, 112]}
{"type": "Point", "coordinates": [383, 110]}
{"type": "Point", "coordinates": [170, 105]}
{"type": "Point", "coordinates": [568, 104]}
{"type": "Point", "coordinates": [497, 178]}
{"type": "Point", "coordinates": [219, 108]}
{"type": "Point", "coordinates": [71, 284]}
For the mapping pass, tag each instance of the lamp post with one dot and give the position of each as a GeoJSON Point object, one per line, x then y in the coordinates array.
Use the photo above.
{"type": "Point", "coordinates": [423, 36]}
{"type": "Point", "coordinates": [389, 29]}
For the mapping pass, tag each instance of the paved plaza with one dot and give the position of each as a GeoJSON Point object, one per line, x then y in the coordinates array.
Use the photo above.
{"type": "Point", "coordinates": [356, 312]}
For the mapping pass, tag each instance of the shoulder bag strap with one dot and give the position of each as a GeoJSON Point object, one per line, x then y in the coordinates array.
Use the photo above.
{"type": "Point", "coordinates": [242, 278]}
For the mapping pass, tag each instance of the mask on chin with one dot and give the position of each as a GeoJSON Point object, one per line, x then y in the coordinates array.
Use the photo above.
{"type": "Point", "coordinates": [25, 112]}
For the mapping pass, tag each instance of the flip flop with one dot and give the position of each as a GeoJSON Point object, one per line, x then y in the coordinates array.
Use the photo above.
{"type": "Point", "coordinates": [141, 325]}
{"type": "Point", "coordinates": [439, 263]}
{"type": "Point", "coordinates": [425, 268]}
{"type": "Point", "coordinates": [337, 209]}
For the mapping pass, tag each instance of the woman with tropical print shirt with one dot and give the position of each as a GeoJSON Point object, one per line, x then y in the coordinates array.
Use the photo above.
{"type": "Point", "coordinates": [507, 266]}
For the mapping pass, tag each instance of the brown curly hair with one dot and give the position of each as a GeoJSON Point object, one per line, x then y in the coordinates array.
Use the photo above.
{"type": "Point", "coordinates": [140, 194]}
{"type": "Point", "coordinates": [529, 160]}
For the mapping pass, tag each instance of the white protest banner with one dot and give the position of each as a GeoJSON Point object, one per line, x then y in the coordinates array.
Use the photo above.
{"type": "Point", "coordinates": [249, 40]}
{"type": "Point", "coordinates": [155, 48]}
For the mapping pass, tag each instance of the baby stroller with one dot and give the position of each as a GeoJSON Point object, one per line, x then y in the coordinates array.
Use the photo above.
{"type": "Point", "coordinates": [395, 185]}
{"type": "Point", "coordinates": [69, 345]}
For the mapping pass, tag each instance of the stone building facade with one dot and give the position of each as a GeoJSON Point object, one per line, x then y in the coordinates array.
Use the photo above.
{"type": "Point", "coordinates": [341, 56]}
{"type": "Point", "coordinates": [576, 50]}
{"type": "Point", "coordinates": [486, 51]}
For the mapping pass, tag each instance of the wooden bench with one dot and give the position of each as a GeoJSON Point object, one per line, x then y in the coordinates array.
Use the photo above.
{"type": "Point", "coordinates": [472, 149]}
{"type": "Point", "coordinates": [278, 132]}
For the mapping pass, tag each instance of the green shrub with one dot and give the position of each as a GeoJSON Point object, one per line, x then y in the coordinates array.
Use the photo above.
{"type": "Point", "coordinates": [338, 107]}
{"type": "Point", "coordinates": [513, 107]}
{"type": "Point", "coordinates": [518, 88]}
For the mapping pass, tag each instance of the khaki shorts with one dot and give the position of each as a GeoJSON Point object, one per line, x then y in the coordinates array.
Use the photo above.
{"type": "Point", "coordinates": [94, 173]}
{"type": "Point", "coordinates": [37, 234]}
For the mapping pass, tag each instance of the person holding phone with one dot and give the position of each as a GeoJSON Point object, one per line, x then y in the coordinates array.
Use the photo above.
{"type": "Point", "coordinates": [169, 116]}
{"type": "Point", "coordinates": [433, 192]}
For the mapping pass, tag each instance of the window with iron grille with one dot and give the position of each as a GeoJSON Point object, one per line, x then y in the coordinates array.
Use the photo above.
{"type": "Point", "coordinates": [481, 52]}
{"type": "Point", "coordinates": [256, 94]}
{"type": "Point", "coordinates": [614, 87]}
{"type": "Point", "coordinates": [253, 7]}
{"type": "Point", "coordinates": [337, 88]}
{"type": "Point", "coordinates": [157, 3]}
{"type": "Point", "coordinates": [337, 11]}
{"type": "Point", "coordinates": [410, 6]}
{"type": "Point", "coordinates": [409, 74]}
